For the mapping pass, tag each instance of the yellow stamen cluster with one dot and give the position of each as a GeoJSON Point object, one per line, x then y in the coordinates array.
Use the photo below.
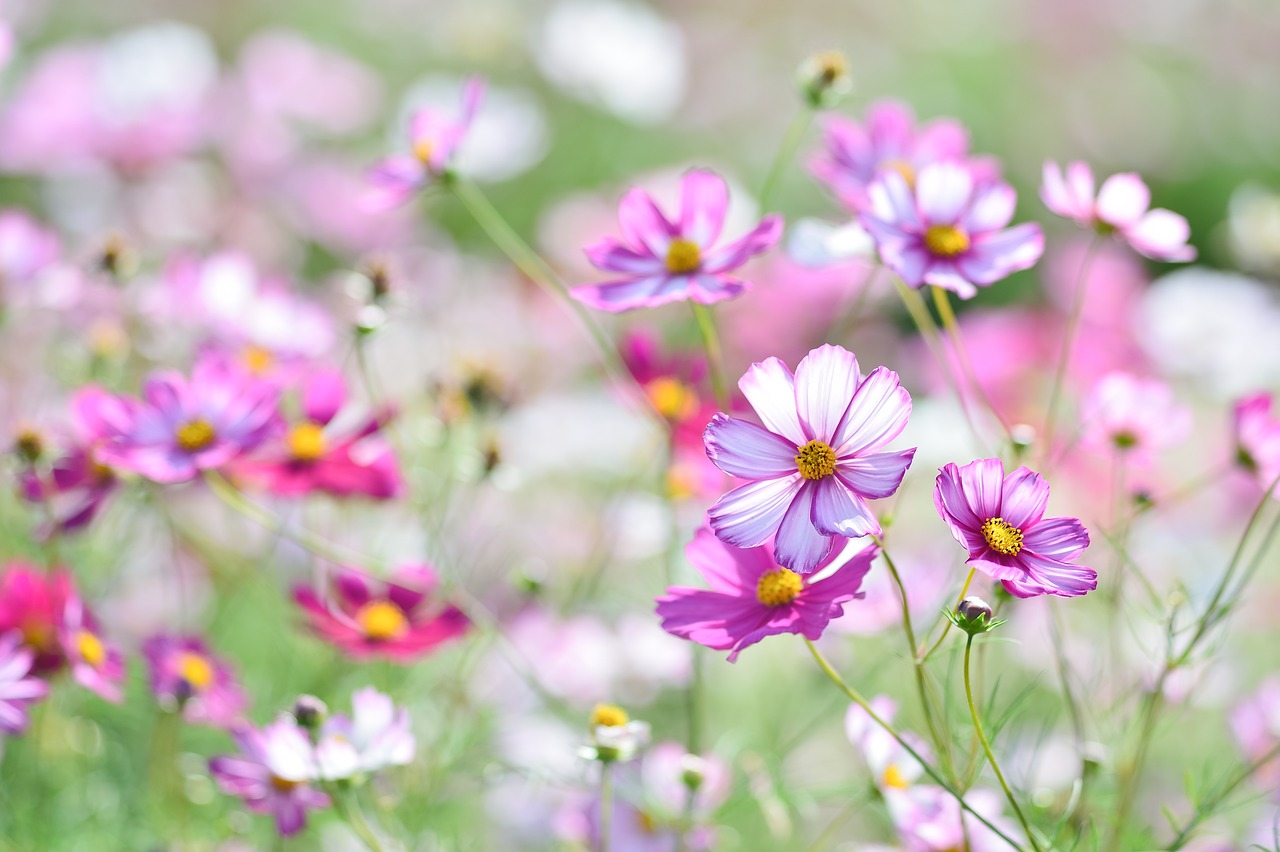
{"type": "Point", "coordinates": [672, 398]}
{"type": "Point", "coordinates": [683, 256]}
{"type": "Point", "coordinates": [283, 785]}
{"type": "Point", "coordinates": [608, 716]}
{"type": "Point", "coordinates": [893, 777]}
{"type": "Point", "coordinates": [1002, 536]}
{"type": "Point", "coordinates": [306, 442]}
{"type": "Point", "coordinates": [422, 151]}
{"type": "Point", "coordinates": [91, 648]}
{"type": "Point", "coordinates": [946, 240]}
{"type": "Point", "coordinates": [815, 460]}
{"type": "Point", "coordinates": [257, 359]}
{"type": "Point", "coordinates": [779, 587]}
{"type": "Point", "coordinates": [196, 670]}
{"type": "Point", "coordinates": [196, 435]}
{"type": "Point", "coordinates": [381, 620]}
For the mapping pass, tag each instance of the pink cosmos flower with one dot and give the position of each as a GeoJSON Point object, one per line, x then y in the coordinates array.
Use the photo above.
{"type": "Point", "coordinates": [366, 618]}
{"type": "Point", "coordinates": [1257, 436]}
{"type": "Point", "coordinates": [26, 248]}
{"type": "Point", "coordinates": [1134, 417]}
{"type": "Point", "coordinates": [375, 736]}
{"type": "Point", "coordinates": [1000, 520]}
{"type": "Point", "coordinates": [95, 663]}
{"type": "Point", "coordinates": [948, 229]}
{"type": "Point", "coordinates": [816, 461]}
{"type": "Point", "coordinates": [184, 426]}
{"type": "Point", "coordinates": [272, 773]}
{"type": "Point", "coordinates": [855, 155]}
{"type": "Point", "coordinates": [32, 603]}
{"type": "Point", "coordinates": [663, 260]}
{"type": "Point", "coordinates": [752, 596]}
{"type": "Point", "coordinates": [663, 770]}
{"type": "Point", "coordinates": [433, 139]}
{"type": "Point", "coordinates": [1121, 208]}
{"type": "Point", "coordinates": [1256, 725]}
{"type": "Point", "coordinates": [185, 674]}
{"type": "Point", "coordinates": [317, 453]}
{"type": "Point", "coordinates": [17, 688]}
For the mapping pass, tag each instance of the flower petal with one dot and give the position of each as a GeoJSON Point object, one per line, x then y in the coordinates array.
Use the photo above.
{"type": "Point", "coordinates": [799, 545]}
{"type": "Point", "coordinates": [998, 254]}
{"type": "Point", "coordinates": [1056, 538]}
{"type": "Point", "coordinates": [748, 515]}
{"type": "Point", "coordinates": [758, 240]}
{"type": "Point", "coordinates": [875, 416]}
{"type": "Point", "coordinates": [1123, 199]}
{"type": "Point", "coordinates": [726, 568]}
{"type": "Point", "coordinates": [992, 208]}
{"type": "Point", "coordinates": [629, 293]}
{"type": "Point", "coordinates": [643, 224]}
{"type": "Point", "coordinates": [876, 475]}
{"type": "Point", "coordinates": [770, 390]}
{"type": "Point", "coordinates": [1052, 577]}
{"type": "Point", "coordinates": [1162, 235]}
{"type": "Point", "coordinates": [826, 381]}
{"type": "Point", "coordinates": [1023, 498]}
{"type": "Point", "coordinates": [838, 511]}
{"type": "Point", "coordinates": [748, 451]}
{"type": "Point", "coordinates": [704, 198]}
{"type": "Point", "coordinates": [610, 254]}
{"type": "Point", "coordinates": [943, 191]}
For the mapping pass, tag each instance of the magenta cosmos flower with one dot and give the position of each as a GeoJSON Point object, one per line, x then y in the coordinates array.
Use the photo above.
{"type": "Point", "coordinates": [434, 137]}
{"type": "Point", "coordinates": [948, 229]}
{"type": "Point", "coordinates": [1120, 208]}
{"type": "Point", "coordinates": [752, 596]}
{"type": "Point", "coordinates": [663, 260]}
{"type": "Point", "coordinates": [17, 688]}
{"type": "Point", "coordinates": [366, 617]}
{"type": "Point", "coordinates": [272, 772]}
{"type": "Point", "coordinates": [32, 602]}
{"type": "Point", "coordinates": [1257, 436]}
{"type": "Point", "coordinates": [1000, 519]}
{"type": "Point", "coordinates": [184, 674]}
{"type": "Point", "coordinates": [816, 461]}
{"type": "Point", "coordinates": [184, 426]}
{"type": "Point", "coordinates": [1133, 417]}
{"type": "Point", "coordinates": [319, 452]}
{"type": "Point", "coordinates": [96, 664]}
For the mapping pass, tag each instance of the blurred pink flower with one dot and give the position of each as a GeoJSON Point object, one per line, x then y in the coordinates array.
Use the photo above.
{"type": "Point", "coordinates": [668, 261]}
{"type": "Point", "coordinates": [27, 248]}
{"type": "Point", "coordinates": [1121, 208]}
{"type": "Point", "coordinates": [17, 687]}
{"type": "Point", "coordinates": [664, 771]}
{"type": "Point", "coordinates": [32, 602]}
{"type": "Point", "coordinates": [376, 735]}
{"type": "Point", "coordinates": [1133, 417]}
{"type": "Point", "coordinates": [674, 382]}
{"type": "Point", "coordinates": [272, 773]}
{"type": "Point", "coordinates": [1257, 437]}
{"type": "Point", "coordinates": [186, 674]}
{"type": "Point", "coordinates": [1256, 724]}
{"type": "Point", "coordinates": [948, 229]}
{"type": "Point", "coordinates": [95, 663]}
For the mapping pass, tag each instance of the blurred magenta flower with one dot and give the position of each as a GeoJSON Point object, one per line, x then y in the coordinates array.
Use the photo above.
{"type": "Point", "coordinates": [32, 602]}
{"type": "Point", "coordinates": [815, 463]}
{"type": "Point", "coordinates": [433, 139]}
{"type": "Point", "coordinates": [1257, 437]}
{"type": "Point", "coordinates": [1121, 208]}
{"type": "Point", "coordinates": [1133, 417]}
{"type": "Point", "coordinates": [184, 426]}
{"type": "Point", "coordinates": [1000, 520]}
{"type": "Point", "coordinates": [17, 687]}
{"type": "Point", "coordinates": [948, 228]}
{"type": "Point", "coordinates": [752, 596]}
{"type": "Point", "coordinates": [27, 248]}
{"type": "Point", "coordinates": [892, 767]}
{"type": "Point", "coordinates": [272, 773]}
{"type": "Point", "coordinates": [375, 736]}
{"type": "Point", "coordinates": [398, 619]}
{"type": "Point", "coordinates": [662, 260]}
{"type": "Point", "coordinates": [317, 453]}
{"type": "Point", "coordinates": [665, 771]}
{"type": "Point", "coordinates": [95, 663]}
{"type": "Point", "coordinates": [185, 674]}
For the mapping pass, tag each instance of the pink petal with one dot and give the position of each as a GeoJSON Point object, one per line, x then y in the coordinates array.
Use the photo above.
{"type": "Point", "coordinates": [628, 294]}
{"type": "Point", "coordinates": [941, 139]}
{"type": "Point", "coordinates": [770, 390]}
{"type": "Point", "coordinates": [712, 619]}
{"type": "Point", "coordinates": [982, 485]}
{"type": "Point", "coordinates": [1054, 193]}
{"type": "Point", "coordinates": [799, 545]}
{"type": "Point", "coordinates": [907, 258]}
{"type": "Point", "coordinates": [891, 125]}
{"type": "Point", "coordinates": [1056, 538]}
{"type": "Point", "coordinates": [826, 381]}
{"type": "Point", "coordinates": [324, 395]}
{"type": "Point", "coordinates": [1123, 199]}
{"type": "Point", "coordinates": [891, 201]}
{"type": "Point", "coordinates": [758, 240]}
{"type": "Point", "coordinates": [1056, 578]}
{"type": "Point", "coordinates": [1080, 181]}
{"type": "Point", "coordinates": [727, 569]}
{"type": "Point", "coordinates": [708, 289]}
{"type": "Point", "coordinates": [643, 224]}
{"type": "Point", "coordinates": [995, 255]}
{"type": "Point", "coordinates": [837, 511]}
{"type": "Point", "coordinates": [875, 476]}
{"type": "Point", "coordinates": [943, 191]}
{"type": "Point", "coordinates": [704, 198]}
{"type": "Point", "coordinates": [1023, 498]}
{"type": "Point", "coordinates": [748, 451]}
{"type": "Point", "coordinates": [875, 416]}
{"type": "Point", "coordinates": [1162, 235]}
{"type": "Point", "coordinates": [749, 514]}
{"type": "Point", "coordinates": [992, 208]}
{"type": "Point", "coordinates": [613, 256]}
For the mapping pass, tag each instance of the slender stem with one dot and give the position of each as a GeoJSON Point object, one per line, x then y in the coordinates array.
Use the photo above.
{"type": "Point", "coordinates": [986, 747]}
{"type": "Point", "coordinates": [354, 816]}
{"type": "Point", "coordinates": [606, 805]}
{"type": "Point", "coordinates": [889, 729]}
{"type": "Point", "coordinates": [786, 153]}
{"type": "Point", "coordinates": [1151, 706]}
{"type": "Point", "coordinates": [1064, 356]}
{"type": "Point", "coordinates": [942, 299]}
{"type": "Point", "coordinates": [964, 590]}
{"type": "Point", "coordinates": [1207, 808]}
{"type": "Point", "coordinates": [715, 355]}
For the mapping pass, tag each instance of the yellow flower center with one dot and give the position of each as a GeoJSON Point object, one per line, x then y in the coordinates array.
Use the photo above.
{"type": "Point", "coordinates": [306, 441]}
{"type": "Point", "coordinates": [195, 670]}
{"type": "Point", "coordinates": [608, 716]}
{"type": "Point", "coordinates": [1002, 536]}
{"type": "Point", "coordinates": [283, 785]}
{"type": "Point", "coordinates": [903, 168]}
{"type": "Point", "coordinates": [894, 778]}
{"type": "Point", "coordinates": [381, 620]}
{"type": "Point", "coordinates": [672, 398]}
{"type": "Point", "coordinates": [832, 65]}
{"type": "Point", "coordinates": [91, 648]}
{"type": "Point", "coordinates": [196, 435]}
{"type": "Point", "coordinates": [683, 256]}
{"type": "Point", "coordinates": [779, 587]}
{"type": "Point", "coordinates": [29, 445]}
{"type": "Point", "coordinates": [37, 634]}
{"type": "Point", "coordinates": [422, 151]}
{"type": "Point", "coordinates": [946, 240]}
{"type": "Point", "coordinates": [257, 359]}
{"type": "Point", "coordinates": [815, 460]}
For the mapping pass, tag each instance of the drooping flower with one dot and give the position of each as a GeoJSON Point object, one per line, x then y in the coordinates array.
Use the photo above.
{"type": "Point", "coordinates": [400, 619]}
{"type": "Point", "coordinates": [1120, 208]}
{"type": "Point", "coordinates": [321, 453]}
{"type": "Point", "coordinates": [663, 260]}
{"type": "Point", "coordinates": [854, 155]}
{"type": "Point", "coordinates": [272, 773]}
{"type": "Point", "coordinates": [96, 664]}
{"type": "Point", "coordinates": [1257, 437]}
{"type": "Point", "coordinates": [434, 137]}
{"type": "Point", "coordinates": [185, 675]}
{"type": "Point", "coordinates": [375, 736]}
{"type": "Point", "coordinates": [18, 688]}
{"type": "Point", "coordinates": [816, 461]}
{"type": "Point", "coordinates": [32, 603]}
{"type": "Point", "coordinates": [184, 426]}
{"type": "Point", "coordinates": [752, 596]}
{"type": "Point", "coordinates": [1000, 520]}
{"type": "Point", "coordinates": [1133, 417]}
{"type": "Point", "coordinates": [949, 228]}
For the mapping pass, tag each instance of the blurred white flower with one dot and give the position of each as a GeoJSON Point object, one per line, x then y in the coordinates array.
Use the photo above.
{"type": "Point", "coordinates": [165, 66]}
{"type": "Point", "coordinates": [1254, 228]}
{"type": "Point", "coordinates": [817, 243]}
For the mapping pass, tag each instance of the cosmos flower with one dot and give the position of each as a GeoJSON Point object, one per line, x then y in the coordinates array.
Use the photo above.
{"type": "Point", "coordinates": [817, 459]}
{"type": "Point", "coordinates": [1133, 417]}
{"type": "Point", "coordinates": [752, 596]}
{"type": "Point", "coordinates": [1000, 520]}
{"type": "Point", "coordinates": [184, 426]}
{"type": "Point", "coordinates": [615, 736]}
{"type": "Point", "coordinates": [1256, 725]}
{"type": "Point", "coordinates": [1120, 209]}
{"type": "Point", "coordinates": [434, 137]}
{"type": "Point", "coordinates": [948, 229]}
{"type": "Point", "coordinates": [666, 774]}
{"type": "Point", "coordinates": [1257, 437]}
{"type": "Point", "coordinates": [17, 688]}
{"type": "Point", "coordinates": [398, 619]}
{"type": "Point", "coordinates": [375, 736]}
{"type": "Point", "coordinates": [272, 772]}
{"type": "Point", "coordinates": [32, 602]}
{"type": "Point", "coordinates": [95, 663]}
{"type": "Point", "coordinates": [184, 674]}
{"type": "Point", "coordinates": [663, 260]}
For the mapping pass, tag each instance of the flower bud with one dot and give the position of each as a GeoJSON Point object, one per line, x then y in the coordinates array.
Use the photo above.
{"type": "Point", "coordinates": [28, 445]}
{"type": "Point", "coordinates": [309, 712]}
{"type": "Point", "coordinates": [824, 78]}
{"type": "Point", "coordinates": [973, 615]}
{"type": "Point", "coordinates": [693, 771]}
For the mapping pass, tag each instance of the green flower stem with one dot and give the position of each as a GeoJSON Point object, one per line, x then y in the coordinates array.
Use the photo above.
{"type": "Point", "coordinates": [986, 747]}
{"type": "Point", "coordinates": [606, 804]}
{"type": "Point", "coordinates": [942, 299]}
{"type": "Point", "coordinates": [964, 591]}
{"type": "Point", "coordinates": [1207, 807]}
{"type": "Point", "coordinates": [889, 729]}
{"type": "Point", "coordinates": [786, 153]}
{"type": "Point", "coordinates": [349, 808]}
{"type": "Point", "coordinates": [715, 355]}
{"type": "Point", "coordinates": [1064, 357]}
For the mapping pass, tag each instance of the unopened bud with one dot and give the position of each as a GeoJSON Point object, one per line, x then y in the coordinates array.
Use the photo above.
{"type": "Point", "coordinates": [28, 445]}
{"type": "Point", "coordinates": [309, 712]}
{"type": "Point", "coordinates": [973, 615]}
{"type": "Point", "coordinates": [824, 78]}
{"type": "Point", "coordinates": [693, 771]}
